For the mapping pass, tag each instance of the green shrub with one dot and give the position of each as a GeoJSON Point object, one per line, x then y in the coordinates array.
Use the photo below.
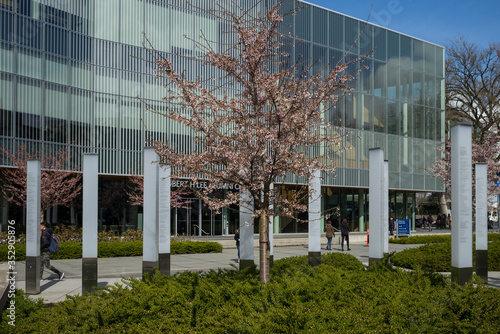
{"type": "Point", "coordinates": [328, 298]}
{"type": "Point", "coordinates": [73, 249]}
{"type": "Point", "coordinates": [437, 257]}
{"type": "Point", "coordinates": [422, 239]}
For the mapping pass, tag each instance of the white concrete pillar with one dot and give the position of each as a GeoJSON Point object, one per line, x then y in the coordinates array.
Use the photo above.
{"type": "Point", "coordinates": [461, 203]}
{"type": "Point", "coordinates": [482, 221]}
{"type": "Point", "coordinates": [33, 207]}
{"type": "Point", "coordinates": [165, 173]}
{"type": "Point", "coordinates": [89, 222]}
{"type": "Point", "coordinates": [246, 230]}
{"type": "Point", "coordinates": [376, 209]}
{"type": "Point", "coordinates": [386, 208]}
{"type": "Point", "coordinates": [315, 219]}
{"type": "Point", "coordinates": [150, 229]}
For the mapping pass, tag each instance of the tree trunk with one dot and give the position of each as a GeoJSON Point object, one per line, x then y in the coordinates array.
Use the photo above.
{"type": "Point", "coordinates": [264, 248]}
{"type": "Point", "coordinates": [443, 207]}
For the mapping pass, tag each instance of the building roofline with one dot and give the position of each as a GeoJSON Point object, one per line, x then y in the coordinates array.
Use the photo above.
{"type": "Point", "coordinates": [371, 23]}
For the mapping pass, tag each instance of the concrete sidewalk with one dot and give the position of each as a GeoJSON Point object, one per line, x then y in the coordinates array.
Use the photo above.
{"type": "Point", "coordinates": [111, 270]}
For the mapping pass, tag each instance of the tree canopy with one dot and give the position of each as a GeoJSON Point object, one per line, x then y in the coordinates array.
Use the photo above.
{"type": "Point", "coordinates": [258, 119]}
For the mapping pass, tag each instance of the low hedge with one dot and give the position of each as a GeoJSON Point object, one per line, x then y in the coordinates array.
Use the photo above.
{"type": "Point", "coordinates": [422, 239]}
{"type": "Point", "coordinates": [432, 239]}
{"type": "Point", "coordinates": [299, 298]}
{"type": "Point", "coordinates": [437, 257]}
{"type": "Point", "coordinates": [73, 249]}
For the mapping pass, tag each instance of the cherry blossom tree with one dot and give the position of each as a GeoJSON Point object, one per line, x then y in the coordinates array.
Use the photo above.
{"type": "Point", "coordinates": [135, 193]}
{"type": "Point", "coordinates": [486, 151]}
{"type": "Point", "coordinates": [60, 185]}
{"type": "Point", "coordinates": [260, 122]}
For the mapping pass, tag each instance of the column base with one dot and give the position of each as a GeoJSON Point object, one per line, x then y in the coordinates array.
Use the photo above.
{"type": "Point", "coordinates": [246, 264]}
{"type": "Point", "coordinates": [461, 275]}
{"type": "Point", "coordinates": [33, 264]}
{"type": "Point", "coordinates": [89, 274]}
{"type": "Point", "coordinates": [271, 261]}
{"type": "Point", "coordinates": [482, 264]}
{"type": "Point", "coordinates": [373, 260]}
{"type": "Point", "coordinates": [164, 263]}
{"type": "Point", "coordinates": [314, 259]}
{"type": "Point", "coordinates": [149, 268]}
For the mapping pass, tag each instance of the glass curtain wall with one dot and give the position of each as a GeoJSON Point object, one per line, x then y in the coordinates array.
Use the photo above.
{"type": "Point", "coordinates": [71, 72]}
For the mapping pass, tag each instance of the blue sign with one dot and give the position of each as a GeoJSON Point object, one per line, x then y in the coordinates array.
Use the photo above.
{"type": "Point", "coordinates": [403, 226]}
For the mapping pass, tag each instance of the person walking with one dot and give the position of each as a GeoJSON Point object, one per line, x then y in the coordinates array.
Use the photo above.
{"type": "Point", "coordinates": [237, 238]}
{"type": "Point", "coordinates": [330, 233]}
{"type": "Point", "coordinates": [45, 240]}
{"type": "Point", "coordinates": [344, 228]}
{"type": "Point", "coordinates": [430, 220]}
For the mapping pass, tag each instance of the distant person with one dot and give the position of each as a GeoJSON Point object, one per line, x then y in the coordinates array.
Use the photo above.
{"type": "Point", "coordinates": [344, 229]}
{"type": "Point", "coordinates": [45, 240]}
{"type": "Point", "coordinates": [330, 233]}
{"type": "Point", "coordinates": [430, 220]}
{"type": "Point", "coordinates": [391, 225]}
{"type": "Point", "coordinates": [237, 238]}
{"type": "Point", "coordinates": [443, 220]}
{"type": "Point", "coordinates": [448, 220]}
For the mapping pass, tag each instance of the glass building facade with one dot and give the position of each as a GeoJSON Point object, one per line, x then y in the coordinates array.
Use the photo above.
{"type": "Point", "coordinates": [71, 72]}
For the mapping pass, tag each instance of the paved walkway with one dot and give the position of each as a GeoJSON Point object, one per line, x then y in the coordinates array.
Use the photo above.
{"type": "Point", "coordinates": [111, 270]}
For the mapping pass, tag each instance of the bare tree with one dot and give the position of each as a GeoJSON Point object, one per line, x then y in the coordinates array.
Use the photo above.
{"type": "Point", "coordinates": [473, 85]}
{"type": "Point", "coordinates": [262, 121]}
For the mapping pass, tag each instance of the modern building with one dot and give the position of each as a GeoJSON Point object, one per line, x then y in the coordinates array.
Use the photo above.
{"type": "Point", "coordinates": [71, 72]}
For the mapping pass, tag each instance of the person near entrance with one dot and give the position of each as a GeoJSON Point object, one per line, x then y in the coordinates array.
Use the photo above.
{"type": "Point", "coordinates": [391, 225]}
{"type": "Point", "coordinates": [237, 238]}
{"type": "Point", "coordinates": [330, 233]}
{"type": "Point", "coordinates": [344, 228]}
{"type": "Point", "coordinates": [45, 240]}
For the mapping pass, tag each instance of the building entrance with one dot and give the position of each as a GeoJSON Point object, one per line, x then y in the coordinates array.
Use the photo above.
{"type": "Point", "coordinates": [196, 219]}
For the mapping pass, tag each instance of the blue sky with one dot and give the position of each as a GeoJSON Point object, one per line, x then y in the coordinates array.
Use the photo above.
{"type": "Point", "coordinates": [435, 21]}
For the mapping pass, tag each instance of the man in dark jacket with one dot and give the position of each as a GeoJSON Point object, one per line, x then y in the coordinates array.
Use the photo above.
{"type": "Point", "coordinates": [45, 239]}
{"type": "Point", "coordinates": [237, 239]}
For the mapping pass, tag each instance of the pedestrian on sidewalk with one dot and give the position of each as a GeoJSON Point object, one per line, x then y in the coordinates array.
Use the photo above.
{"type": "Point", "coordinates": [237, 238]}
{"type": "Point", "coordinates": [330, 233]}
{"type": "Point", "coordinates": [430, 220]}
{"type": "Point", "coordinates": [344, 228]}
{"type": "Point", "coordinates": [45, 240]}
{"type": "Point", "coordinates": [391, 225]}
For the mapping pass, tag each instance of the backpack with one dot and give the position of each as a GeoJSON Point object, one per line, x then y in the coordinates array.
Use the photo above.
{"type": "Point", "coordinates": [54, 244]}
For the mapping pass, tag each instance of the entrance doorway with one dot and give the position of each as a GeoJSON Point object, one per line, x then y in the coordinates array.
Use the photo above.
{"type": "Point", "coordinates": [196, 219]}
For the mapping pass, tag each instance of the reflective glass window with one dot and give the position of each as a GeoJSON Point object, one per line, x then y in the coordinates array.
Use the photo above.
{"type": "Point", "coordinates": [107, 18]}
{"type": "Point", "coordinates": [418, 121]}
{"type": "Point", "coordinates": [320, 26]}
{"type": "Point", "coordinates": [405, 51]}
{"type": "Point", "coordinates": [430, 123]}
{"type": "Point", "coordinates": [393, 47]}
{"type": "Point", "coordinates": [418, 87]}
{"type": "Point", "coordinates": [6, 26]}
{"type": "Point", "coordinates": [29, 32]}
{"type": "Point", "coordinates": [418, 55]}
{"type": "Point", "coordinates": [6, 57]}
{"type": "Point", "coordinates": [430, 58]}
{"type": "Point", "coordinates": [392, 82]}
{"type": "Point", "coordinates": [380, 81]}
{"type": "Point", "coordinates": [336, 31]}
{"type": "Point", "coordinates": [303, 23]}
{"type": "Point", "coordinates": [406, 84]}
{"type": "Point", "coordinates": [379, 114]}
{"type": "Point", "coordinates": [56, 40]}
{"type": "Point", "coordinates": [56, 69]}
{"type": "Point", "coordinates": [380, 43]}
{"type": "Point", "coordinates": [351, 33]}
